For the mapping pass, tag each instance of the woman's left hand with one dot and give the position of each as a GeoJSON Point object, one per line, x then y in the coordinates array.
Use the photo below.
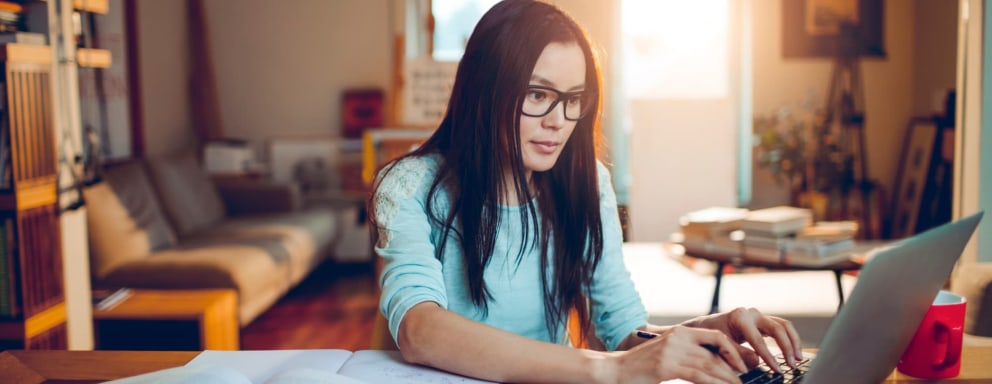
{"type": "Point", "coordinates": [750, 325]}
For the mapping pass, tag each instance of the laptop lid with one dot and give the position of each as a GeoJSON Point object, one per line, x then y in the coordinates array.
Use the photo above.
{"type": "Point", "coordinates": [893, 293]}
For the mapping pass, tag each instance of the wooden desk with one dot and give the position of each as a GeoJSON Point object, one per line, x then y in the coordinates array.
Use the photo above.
{"type": "Point", "coordinates": [976, 367]}
{"type": "Point", "coordinates": [170, 320]}
{"type": "Point", "coordinates": [39, 366]}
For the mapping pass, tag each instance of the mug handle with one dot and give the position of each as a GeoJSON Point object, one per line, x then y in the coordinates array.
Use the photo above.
{"type": "Point", "coordinates": [954, 335]}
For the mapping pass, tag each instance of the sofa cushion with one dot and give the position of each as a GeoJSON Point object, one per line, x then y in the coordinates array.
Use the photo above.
{"type": "Point", "coordinates": [304, 236]}
{"type": "Point", "coordinates": [189, 197]}
{"type": "Point", "coordinates": [249, 267]}
{"type": "Point", "coordinates": [124, 219]}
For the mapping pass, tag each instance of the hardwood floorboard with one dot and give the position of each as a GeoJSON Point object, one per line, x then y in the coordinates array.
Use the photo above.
{"type": "Point", "coordinates": [333, 308]}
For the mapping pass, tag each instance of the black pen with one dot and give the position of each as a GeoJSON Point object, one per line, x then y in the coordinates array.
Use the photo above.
{"type": "Point", "coordinates": [651, 335]}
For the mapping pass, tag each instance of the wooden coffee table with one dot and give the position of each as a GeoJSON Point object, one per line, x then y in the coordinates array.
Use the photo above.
{"type": "Point", "coordinates": [169, 320]}
{"type": "Point", "coordinates": [722, 259]}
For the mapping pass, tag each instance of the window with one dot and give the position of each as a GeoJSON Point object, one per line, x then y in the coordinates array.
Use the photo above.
{"type": "Point", "coordinates": [676, 49]}
{"type": "Point", "coordinates": [454, 21]}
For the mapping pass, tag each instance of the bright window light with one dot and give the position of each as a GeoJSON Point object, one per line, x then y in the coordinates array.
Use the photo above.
{"type": "Point", "coordinates": [454, 21]}
{"type": "Point", "coordinates": [676, 49]}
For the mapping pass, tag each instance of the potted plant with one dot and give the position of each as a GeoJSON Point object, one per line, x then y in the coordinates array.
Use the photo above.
{"type": "Point", "coordinates": [804, 154]}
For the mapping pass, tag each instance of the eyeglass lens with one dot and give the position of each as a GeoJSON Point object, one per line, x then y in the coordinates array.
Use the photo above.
{"type": "Point", "coordinates": [539, 101]}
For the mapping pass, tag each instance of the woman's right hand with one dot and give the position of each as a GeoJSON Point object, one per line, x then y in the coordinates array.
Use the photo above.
{"type": "Point", "coordinates": [681, 353]}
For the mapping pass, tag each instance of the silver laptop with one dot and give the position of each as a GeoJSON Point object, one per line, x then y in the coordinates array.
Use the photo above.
{"type": "Point", "coordinates": [893, 293]}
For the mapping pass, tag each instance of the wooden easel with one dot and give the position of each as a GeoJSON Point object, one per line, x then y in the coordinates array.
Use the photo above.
{"type": "Point", "coordinates": [845, 107]}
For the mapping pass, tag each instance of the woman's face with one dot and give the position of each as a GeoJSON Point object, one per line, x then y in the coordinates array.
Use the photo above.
{"type": "Point", "coordinates": [562, 68]}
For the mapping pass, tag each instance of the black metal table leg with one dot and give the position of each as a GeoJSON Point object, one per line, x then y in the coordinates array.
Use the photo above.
{"type": "Point", "coordinates": [715, 304]}
{"type": "Point", "coordinates": [840, 289]}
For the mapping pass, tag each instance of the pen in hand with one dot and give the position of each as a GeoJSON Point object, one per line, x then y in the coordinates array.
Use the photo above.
{"type": "Point", "coordinates": [651, 335]}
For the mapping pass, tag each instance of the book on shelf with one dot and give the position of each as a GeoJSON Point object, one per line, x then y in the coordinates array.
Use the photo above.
{"type": "Point", "coordinates": [11, 6]}
{"type": "Point", "coordinates": [777, 221]}
{"type": "Point", "coordinates": [7, 299]}
{"type": "Point", "coordinates": [10, 21]}
{"type": "Point", "coordinates": [22, 37]}
{"type": "Point", "coordinates": [312, 366]}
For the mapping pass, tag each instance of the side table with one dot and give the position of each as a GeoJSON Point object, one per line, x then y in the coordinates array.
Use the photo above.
{"type": "Point", "coordinates": [722, 258]}
{"type": "Point", "coordinates": [354, 244]}
{"type": "Point", "coordinates": [169, 320]}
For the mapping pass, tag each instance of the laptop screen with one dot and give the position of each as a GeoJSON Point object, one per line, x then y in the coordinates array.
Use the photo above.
{"type": "Point", "coordinates": [894, 291]}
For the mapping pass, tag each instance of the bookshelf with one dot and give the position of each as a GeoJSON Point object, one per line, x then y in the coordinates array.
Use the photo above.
{"type": "Point", "coordinates": [32, 306]}
{"type": "Point", "coordinates": [93, 58]}
{"type": "Point", "coordinates": [91, 6]}
{"type": "Point", "coordinates": [44, 276]}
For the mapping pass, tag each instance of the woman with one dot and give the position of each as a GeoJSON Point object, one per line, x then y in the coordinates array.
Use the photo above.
{"type": "Point", "coordinates": [504, 221]}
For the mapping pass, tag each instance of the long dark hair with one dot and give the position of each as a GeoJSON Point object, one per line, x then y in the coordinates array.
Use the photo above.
{"type": "Point", "coordinates": [478, 140]}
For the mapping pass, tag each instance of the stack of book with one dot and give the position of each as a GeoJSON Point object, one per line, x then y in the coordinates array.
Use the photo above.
{"type": "Point", "coordinates": [787, 235]}
{"type": "Point", "coordinates": [709, 229]}
{"type": "Point", "coordinates": [10, 16]}
{"type": "Point", "coordinates": [23, 38]}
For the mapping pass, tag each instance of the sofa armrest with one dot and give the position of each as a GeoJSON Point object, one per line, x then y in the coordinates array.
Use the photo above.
{"type": "Point", "coordinates": [244, 196]}
{"type": "Point", "coordinates": [974, 281]}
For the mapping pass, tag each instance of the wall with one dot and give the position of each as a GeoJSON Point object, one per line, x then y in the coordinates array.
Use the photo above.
{"type": "Point", "coordinates": [164, 69]}
{"type": "Point", "coordinates": [682, 152]}
{"type": "Point", "coordinates": [888, 86]}
{"type": "Point", "coordinates": [281, 66]}
{"type": "Point", "coordinates": [278, 78]}
{"type": "Point", "coordinates": [935, 29]}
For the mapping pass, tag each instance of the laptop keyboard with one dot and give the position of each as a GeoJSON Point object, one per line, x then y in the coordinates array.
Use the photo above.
{"type": "Point", "coordinates": [764, 374]}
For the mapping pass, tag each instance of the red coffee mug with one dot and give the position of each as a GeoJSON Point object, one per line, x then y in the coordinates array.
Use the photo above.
{"type": "Point", "coordinates": [935, 351]}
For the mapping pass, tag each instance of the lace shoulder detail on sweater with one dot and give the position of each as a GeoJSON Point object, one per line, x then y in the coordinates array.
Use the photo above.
{"type": "Point", "coordinates": [398, 184]}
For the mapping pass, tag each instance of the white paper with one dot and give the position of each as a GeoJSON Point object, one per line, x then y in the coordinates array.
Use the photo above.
{"type": "Point", "coordinates": [311, 366]}
{"type": "Point", "coordinates": [259, 366]}
{"type": "Point", "coordinates": [188, 375]}
{"type": "Point", "coordinates": [310, 376]}
{"type": "Point", "coordinates": [388, 367]}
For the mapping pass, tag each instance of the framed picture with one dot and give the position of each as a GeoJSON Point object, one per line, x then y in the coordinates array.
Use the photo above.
{"type": "Point", "coordinates": [361, 109]}
{"type": "Point", "coordinates": [822, 28]}
{"type": "Point", "coordinates": [911, 180]}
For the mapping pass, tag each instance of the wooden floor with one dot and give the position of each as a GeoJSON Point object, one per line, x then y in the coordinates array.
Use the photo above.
{"type": "Point", "coordinates": [334, 307]}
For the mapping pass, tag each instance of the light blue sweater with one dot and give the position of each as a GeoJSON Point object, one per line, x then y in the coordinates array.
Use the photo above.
{"type": "Point", "coordinates": [412, 274]}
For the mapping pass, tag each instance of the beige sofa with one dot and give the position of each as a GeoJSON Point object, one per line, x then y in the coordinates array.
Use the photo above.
{"type": "Point", "coordinates": [973, 280]}
{"type": "Point", "coordinates": [165, 224]}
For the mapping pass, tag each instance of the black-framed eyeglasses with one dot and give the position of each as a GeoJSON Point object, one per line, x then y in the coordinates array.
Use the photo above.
{"type": "Point", "coordinates": [540, 100]}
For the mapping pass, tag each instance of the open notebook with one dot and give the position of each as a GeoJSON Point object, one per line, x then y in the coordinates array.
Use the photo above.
{"type": "Point", "coordinates": [311, 366]}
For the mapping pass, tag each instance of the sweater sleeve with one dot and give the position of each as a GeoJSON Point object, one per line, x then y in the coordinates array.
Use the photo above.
{"type": "Point", "coordinates": [411, 274]}
{"type": "Point", "coordinates": [617, 309]}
